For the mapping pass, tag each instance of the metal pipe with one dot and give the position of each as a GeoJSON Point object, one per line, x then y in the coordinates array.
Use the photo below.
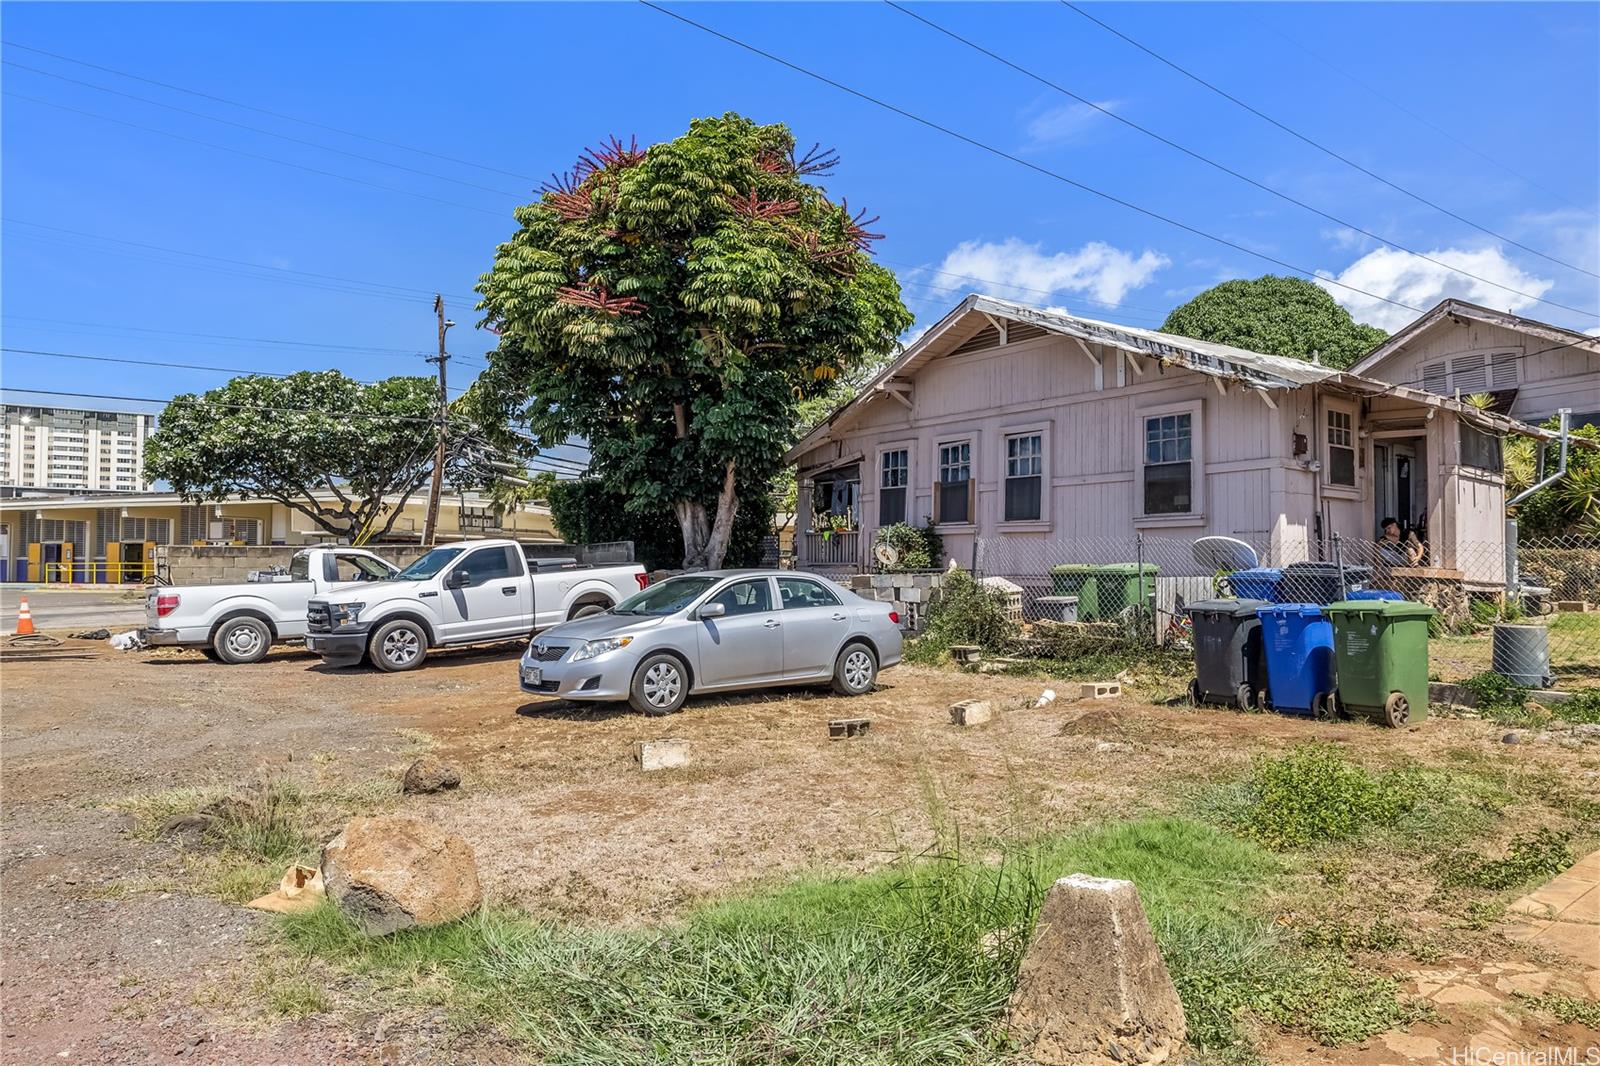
{"type": "Point", "coordinates": [1561, 467]}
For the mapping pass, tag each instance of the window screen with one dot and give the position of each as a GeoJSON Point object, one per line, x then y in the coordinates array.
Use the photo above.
{"type": "Point", "coordinates": [1481, 450]}
{"type": "Point", "coordinates": [1341, 448]}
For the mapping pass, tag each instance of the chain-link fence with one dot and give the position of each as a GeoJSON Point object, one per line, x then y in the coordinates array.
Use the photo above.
{"type": "Point", "coordinates": [1529, 613]}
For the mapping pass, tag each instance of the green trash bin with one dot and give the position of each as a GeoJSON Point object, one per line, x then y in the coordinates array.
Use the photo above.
{"type": "Point", "coordinates": [1380, 656]}
{"type": "Point", "coordinates": [1082, 581]}
{"type": "Point", "coordinates": [1105, 590]}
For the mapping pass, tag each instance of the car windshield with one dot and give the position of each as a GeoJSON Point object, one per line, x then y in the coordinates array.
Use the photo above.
{"type": "Point", "coordinates": [666, 597]}
{"type": "Point", "coordinates": [429, 564]}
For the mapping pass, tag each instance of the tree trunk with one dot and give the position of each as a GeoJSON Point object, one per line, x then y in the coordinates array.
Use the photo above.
{"type": "Point", "coordinates": [705, 544]}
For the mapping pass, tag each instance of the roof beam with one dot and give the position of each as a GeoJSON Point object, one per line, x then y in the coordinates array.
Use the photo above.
{"type": "Point", "coordinates": [999, 325]}
{"type": "Point", "coordinates": [1099, 367]}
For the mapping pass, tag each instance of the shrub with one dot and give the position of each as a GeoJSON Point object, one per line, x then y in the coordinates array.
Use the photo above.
{"type": "Point", "coordinates": [918, 547]}
{"type": "Point", "coordinates": [967, 612]}
{"type": "Point", "coordinates": [1314, 794]}
{"type": "Point", "coordinates": [1531, 856]}
{"type": "Point", "coordinates": [1494, 692]}
{"type": "Point", "coordinates": [1583, 708]}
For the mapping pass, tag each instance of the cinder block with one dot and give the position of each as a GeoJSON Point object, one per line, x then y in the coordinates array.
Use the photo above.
{"type": "Point", "coordinates": [661, 754]}
{"type": "Point", "coordinates": [883, 581]}
{"type": "Point", "coordinates": [842, 728]}
{"type": "Point", "coordinates": [966, 653]}
{"type": "Point", "coordinates": [912, 595]}
{"type": "Point", "coordinates": [971, 712]}
{"type": "Point", "coordinates": [1099, 690]}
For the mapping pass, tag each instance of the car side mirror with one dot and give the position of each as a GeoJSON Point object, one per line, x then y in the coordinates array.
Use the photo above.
{"type": "Point", "coordinates": [713, 610]}
{"type": "Point", "coordinates": [458, 579]}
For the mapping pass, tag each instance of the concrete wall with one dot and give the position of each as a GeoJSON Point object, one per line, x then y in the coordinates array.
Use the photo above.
{"type": "Point", "coordinates": [184, 564]}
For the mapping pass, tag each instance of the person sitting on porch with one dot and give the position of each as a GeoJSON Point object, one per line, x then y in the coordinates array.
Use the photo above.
{"type": "Point", "coordinates": [1395, 551]}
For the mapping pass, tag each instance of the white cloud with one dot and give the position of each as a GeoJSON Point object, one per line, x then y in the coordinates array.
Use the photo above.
{"type": "Point", "coordinates": [1412, 280]}
{"type": "Point", "coordinates": [1020, 271]}
{"type": "Point", "coordinates": [1592, 331]}
{"type": "Point", "coordinates": [1056, 126]}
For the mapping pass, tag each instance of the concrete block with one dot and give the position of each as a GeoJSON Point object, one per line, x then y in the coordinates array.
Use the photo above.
{"type": "Point", "coordinates": [966, 653]}
{"type": "Point", "coordinates": [1573, 606]}
{"type": "Point", "coordinates": [843, 728]}
{"type": "Point", "coordinates": [922, 581]}
{"type": "Point", "coordinates": [1099, 690]}
{"type": "Point", "coordinates": [661, 754]}
{"type": "Point", "coordinates": [883, 581]}
{"type": "Point", "coordinates": [860, 581]}
{"type": "Point", "coordinates": [1093, 989]}
{"type": "Point", "coordinates": [971, 712]}
{"type": "Point", "coordinates": [912, 595]}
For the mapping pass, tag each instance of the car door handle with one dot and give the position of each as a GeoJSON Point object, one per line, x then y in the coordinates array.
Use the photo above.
{"type": "Point", "coordinates": [838, 617]}
{"type": "Point", "coordinates": [509, 590]}
{"type": "Point", "coordinates": [772, 623]}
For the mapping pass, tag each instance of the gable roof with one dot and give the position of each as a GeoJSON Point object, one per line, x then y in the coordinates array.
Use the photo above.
{"type": "Point", "coordinates": [1254, 370]}
{"type": "Point", "coordinates": [1559, 336]}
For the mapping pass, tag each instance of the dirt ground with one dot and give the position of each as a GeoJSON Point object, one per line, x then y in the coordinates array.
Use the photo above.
{"type": "Point", "coordinates": [564, 825]}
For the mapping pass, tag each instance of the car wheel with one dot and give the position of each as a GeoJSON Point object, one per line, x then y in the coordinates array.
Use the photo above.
{"type": "Point", "coordinates": [242, 640]}
{"type": "Point", "coordinates": [854, 670]}
{"type": "Point", "coordinates": [398, 645]}
{"type": "Point", "coordinates": [586, 611]}
{"type": "Point", "coordinates": [660, 685]}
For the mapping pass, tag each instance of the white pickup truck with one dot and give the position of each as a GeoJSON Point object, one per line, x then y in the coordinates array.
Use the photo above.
{"type": "Point", "coordinates": [469, 593]}
{"type": "Point", "coordinates": [239, 623]}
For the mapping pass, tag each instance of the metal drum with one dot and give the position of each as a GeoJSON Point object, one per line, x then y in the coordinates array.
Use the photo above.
{"type": "Point", "coordinates": [1522, 654]}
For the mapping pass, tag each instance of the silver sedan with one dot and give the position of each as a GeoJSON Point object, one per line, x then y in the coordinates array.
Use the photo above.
{"type": "Point", "coordinates": [716, 631]}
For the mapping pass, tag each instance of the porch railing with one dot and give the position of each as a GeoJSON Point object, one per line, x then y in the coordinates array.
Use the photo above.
{"type": "Point", "coordinates": [831, 549]}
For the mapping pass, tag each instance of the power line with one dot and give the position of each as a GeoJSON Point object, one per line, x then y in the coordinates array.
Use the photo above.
{"type": "Point", "coordinates": [1390, 242]}
{"type": "Point", "coordinates": [1050, 293]}
{"type": "Point", "coordinates": [1440, 130]}
{"type": "Point", "coordinates": [1037, 168]}
{"type": "Point", "coordinates": [253, 155]}
{"type": "Point", "coordinates": [1322, 147]}
{"type": "Point", "coordinates": [158, 363]}
{"type": "Point", "coordinates": [273, 114]}
{"type": "Point", "coordinates": [112, 327]}
{"type": "Point", "coordinates": [260, 130]}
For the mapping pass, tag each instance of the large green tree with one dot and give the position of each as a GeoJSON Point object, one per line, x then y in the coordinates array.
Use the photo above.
{"type": "Point", "coordinates": [673, 305]}
{"type": "Point", "coordinates": [1276, 316]}
{"type": "Point", "coordinates": [344, 454]}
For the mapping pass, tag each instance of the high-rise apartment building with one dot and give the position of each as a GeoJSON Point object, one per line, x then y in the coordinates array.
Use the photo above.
{"type": "Point", "coordinates": [75, 450]}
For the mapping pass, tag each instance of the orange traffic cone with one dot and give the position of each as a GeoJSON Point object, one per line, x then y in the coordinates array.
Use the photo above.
{"type": "Point", "coordinates": [24, 619]}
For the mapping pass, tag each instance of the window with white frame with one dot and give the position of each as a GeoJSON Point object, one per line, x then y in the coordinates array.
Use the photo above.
{"type": "Point", "coordinates": [894, 479]}
{"type": "Point", "coordinates": [1024, 489]}
{"type": "Point", "coordinates": [952, 496]}
{"type": "Point", "coordinates": [1169, 463]}
{"type": "Point", "coordinates": [1341, 446]}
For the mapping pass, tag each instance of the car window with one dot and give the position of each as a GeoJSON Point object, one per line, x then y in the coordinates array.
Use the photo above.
{"type": "Point", "coordinates": [803, 592]}
{"type": "Point", "coordinates": [300, 567]}
{"type": "Point", "coordinates": [429, 564]}
{"type": "Point", "coordinates": [665, 597]}
{"type": "Point", "coordinates": [490, 564]}
{"type": "Point", "coordinates": [745, 597]}
{"type": "Point", "coordinates": [355, 568]}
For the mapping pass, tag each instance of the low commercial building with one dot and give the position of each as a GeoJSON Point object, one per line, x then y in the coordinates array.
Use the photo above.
{"type": "Point", "coordinates": [112, 538]}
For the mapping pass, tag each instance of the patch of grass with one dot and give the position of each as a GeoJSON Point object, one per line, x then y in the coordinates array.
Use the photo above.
{"type": "Point", "coordinates": [1314, 795]}
{"type": "Point", "coordinates": [291, 995]}
{"type": "Point", "coordinates": [1568, 1009]}
{"type": "Point", "coordinates": [1583, 708]}
{"type": "Point", "coordinates": [1531, 857]}
{"type": "Point", "coordinates": [910, 964]}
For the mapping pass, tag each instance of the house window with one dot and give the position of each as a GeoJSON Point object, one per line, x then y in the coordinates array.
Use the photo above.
{"type": "Point", "coordinates": [1168, 464]}
{"type": "Point", "coordinates": [1481, 450]}
{"type": "Point", "coordinates": [1341, 447]}
{"type": "Point", "coordinates": [894, 478]}
{"type": "Point", "coordinates": [952, 496]}
{"type": "Point", "coordinates": [1024, 477]}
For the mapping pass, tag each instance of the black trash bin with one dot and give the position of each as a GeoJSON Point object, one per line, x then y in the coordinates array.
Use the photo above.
{"type": "Point", "coordinates": [1228, 667]}
{"type": "Point", "coordinates": [1319, 582]}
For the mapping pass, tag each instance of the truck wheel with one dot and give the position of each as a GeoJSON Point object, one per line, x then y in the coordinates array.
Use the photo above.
{"type": "Point", "coordinates": [585, 611]}
{"type": "Point", "coordinates": [854, 670]}
{"type": "Point", "coordinates": [242, 640]}
{"type": "Point", "coordinates": [660, 685]}
{"type": "Point", "coordinates": [398, 645]}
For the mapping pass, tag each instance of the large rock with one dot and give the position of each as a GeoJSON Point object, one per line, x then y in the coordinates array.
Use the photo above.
{"type": "Point", "coordinates": [429, 774]}
{"type": "Point", "coordinates": [392, 873]}
{"type": "Point", "coordinates": [1093, 990]}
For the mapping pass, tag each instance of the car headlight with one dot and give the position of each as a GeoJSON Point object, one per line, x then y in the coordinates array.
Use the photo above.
{"type": "Point", "coordinates": [347, 613]}
{"type": "Point", "coordinates": [594, 648]}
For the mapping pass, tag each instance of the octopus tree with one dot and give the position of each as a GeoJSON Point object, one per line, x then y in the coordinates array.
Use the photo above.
{"type": "Point", "coordinates": [673, 305]}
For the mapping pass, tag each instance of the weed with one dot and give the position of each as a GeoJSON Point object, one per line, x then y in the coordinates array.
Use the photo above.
{"type": "Point", "coordinates": [293, 995]}
{"type": "Point", "coordinates": [1380, 934]}
{"type": "Point", "coordinates": [1531, 856]}
{"type": "Point", "coordinates": [1482, 914]}
{"type": "Point", "coordinates": [1581, 708]}
{"type": "Point", "coordinates": [967, 612]}
{"type": "Point", "coordinates": [1568, 1009]}
{"type": "Point", "coordinates": [1313, 795]}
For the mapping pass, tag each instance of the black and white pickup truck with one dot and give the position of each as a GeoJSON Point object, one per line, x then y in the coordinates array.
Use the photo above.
{"type": "Point", "coordinates": [469, 593]}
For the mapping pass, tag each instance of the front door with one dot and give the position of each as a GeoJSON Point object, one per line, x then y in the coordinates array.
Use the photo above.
{"type": "Point", "coordinates": [496, 601]}
{"type": "Point", "coordinates": [814, 626]}
{"type": "Point", "coordinates": [746, 643]}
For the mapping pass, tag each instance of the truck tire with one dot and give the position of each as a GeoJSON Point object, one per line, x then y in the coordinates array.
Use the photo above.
{"type": "Point", "coordinates": [585, 610]}
{"type": "Point", "coordinates": [242, 639]}
{"type": "Point", "coordinates": [854, 670]}
{"type": "Point", "coordinates": [398, 645]}
{"type": "Point", "coordinates": [660, 685]}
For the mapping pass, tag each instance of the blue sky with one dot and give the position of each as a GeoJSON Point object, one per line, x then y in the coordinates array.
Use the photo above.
{"type": "Point", "coordinates": [1489, 110]}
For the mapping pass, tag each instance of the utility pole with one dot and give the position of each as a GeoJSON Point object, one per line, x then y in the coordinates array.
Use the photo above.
{"type": "Point", "coordinates": [430, 525]}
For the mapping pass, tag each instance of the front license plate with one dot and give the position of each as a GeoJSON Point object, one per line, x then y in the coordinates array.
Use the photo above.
{"type": "Point", "coordinates": [532, 675]}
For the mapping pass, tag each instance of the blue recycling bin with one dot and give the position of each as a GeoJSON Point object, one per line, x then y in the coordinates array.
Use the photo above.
{"type": "Point", "coordinates": [1373, 594]}
{"type": "Point", "coordinates": [1297, 646]}
{"type": "Point", "coordinates": [1257, 583]}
